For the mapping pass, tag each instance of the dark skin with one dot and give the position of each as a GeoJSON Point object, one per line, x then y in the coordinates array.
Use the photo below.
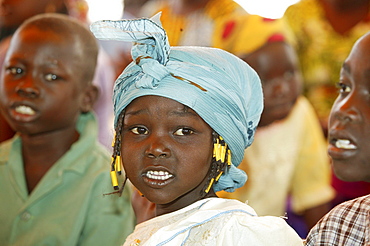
{"type": "Point", "coordinates": [281, 81]}
{"type": "Point", "coordinates": [349, 121]}
{"type": "Point", "coordinates": [43, 91]}
{"type": "Point", "coordinates": [14, 13]}
{"type": "Point", "coordinates": [6, 131]}
{"type": "Point", "coordinates": [162, 135]}
{"type": "Point", "coordinates": [281, 84]}
{"type": "Point", "coordinates": [343, 15]}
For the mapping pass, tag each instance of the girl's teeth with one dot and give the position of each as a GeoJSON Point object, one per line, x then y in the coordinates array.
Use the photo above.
{"type": "Point", "coordinates": [158, 175]}
{"type": "Point", "coordinates": [344, 144]}
{"type": "Point", "coordinates": [24, 110]}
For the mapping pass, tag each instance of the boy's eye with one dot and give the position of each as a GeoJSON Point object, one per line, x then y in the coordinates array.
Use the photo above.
{"type": "Point", "coordinates": [183, 132]}
{"type": "Point", "coordinates": [15, 70]}
{"type": "Point", "coordinates": [139, 130]}
{"type": "Point", "coordinates": [343, 88]}
{"type": "Point", "coordinates": [51, 77]}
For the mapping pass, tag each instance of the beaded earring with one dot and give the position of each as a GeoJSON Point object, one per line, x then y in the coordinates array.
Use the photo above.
{"type": "Point", "coordinates": [116, 162]}
{"type": "Point", "coordinates": [221, 160]}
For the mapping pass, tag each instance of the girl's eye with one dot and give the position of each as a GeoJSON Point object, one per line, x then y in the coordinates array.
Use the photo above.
{"type": "Point", "coordinates": [15, 70]}
{"type": "Point", "coordinates": [343, 88]}
{"type": "Point", "coordinates": [51, 77]}
{"type": "Point", "coordinates": [183, 132]}
{"type": "Point", "coordinates": [139, 130]}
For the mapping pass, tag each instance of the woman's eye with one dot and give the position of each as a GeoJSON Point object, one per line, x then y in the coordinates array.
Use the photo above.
{"type": "Point", "coordinates": [183, 132]}
{"type": "Point", "coordinates": [51, 77]}
{"type": "Point", "coordinates": [343, 88]}
{"type": "Point", "coordinates": [139, 130]}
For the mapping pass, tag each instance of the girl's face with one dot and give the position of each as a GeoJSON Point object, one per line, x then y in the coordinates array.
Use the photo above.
{"type": "Point", "coordinates": [349, 123]}
{"type": "Point", "coordinates": [166, 151]}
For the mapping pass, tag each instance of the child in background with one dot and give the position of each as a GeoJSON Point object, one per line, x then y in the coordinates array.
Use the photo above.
{"type": "Point", "coordinates": [349, 133]}
{"type": "Point", "coordinates": [183, 117]}
{"type": "Point", "coordinates": [15, 12]}
{"type": "Point", "coordinates": [53, 172]}
{"type": "Point", "coordinates": [288, 157]}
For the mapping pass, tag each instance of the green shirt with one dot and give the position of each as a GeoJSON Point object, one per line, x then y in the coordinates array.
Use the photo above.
{"type": "Point", "coordinates": [67, 207]}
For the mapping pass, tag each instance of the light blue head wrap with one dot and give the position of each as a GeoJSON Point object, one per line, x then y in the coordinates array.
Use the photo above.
{"type": "Point", "coordinates": [224, 90]}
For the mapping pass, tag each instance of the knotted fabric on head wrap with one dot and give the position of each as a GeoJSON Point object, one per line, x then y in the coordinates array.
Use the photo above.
{"type": "Point", "coordinates": [223, 90]}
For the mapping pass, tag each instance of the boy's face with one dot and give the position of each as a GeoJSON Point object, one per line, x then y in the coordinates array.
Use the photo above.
{"type": "Point", "coordinates": [349, 122]}
{"type": "Point", "coordinates": [166, 151]}
{"type": "Point", "coordinates": [277, 66]}
{"type": "Point", "coordinates": [41, 88]}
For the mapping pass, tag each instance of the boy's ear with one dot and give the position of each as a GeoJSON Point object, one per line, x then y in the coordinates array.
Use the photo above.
{"type": "Point", "coordinates": [89, 98]}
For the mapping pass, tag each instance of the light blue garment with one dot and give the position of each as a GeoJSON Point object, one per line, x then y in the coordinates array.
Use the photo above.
{"type": "Point", "coordinates": [224, 90]}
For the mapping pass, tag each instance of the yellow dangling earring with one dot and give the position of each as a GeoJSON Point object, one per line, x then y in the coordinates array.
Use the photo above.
{"type": "Point", "coordinates": [222, 156]}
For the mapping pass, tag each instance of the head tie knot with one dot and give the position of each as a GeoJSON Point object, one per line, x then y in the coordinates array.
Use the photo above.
{"type": "Point", "coordinates": [150, 50]}
{"type": "Point", "coordinates": [152, 72]}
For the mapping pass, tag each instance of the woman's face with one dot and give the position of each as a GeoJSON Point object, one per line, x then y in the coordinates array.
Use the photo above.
{"type": "Point", "coordinates": [166, 151]}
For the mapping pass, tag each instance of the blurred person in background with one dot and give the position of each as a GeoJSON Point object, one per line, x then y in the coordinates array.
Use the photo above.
{"type": "Point", "coordinates": [325, 31]}
{"type": "Point", "coordinates": [287, 163]}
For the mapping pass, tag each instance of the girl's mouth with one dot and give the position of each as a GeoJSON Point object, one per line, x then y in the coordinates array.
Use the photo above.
{"type": "Point", "coordinates": [157, 179]}
{"type": "Point", "coordinates": [158, 175]}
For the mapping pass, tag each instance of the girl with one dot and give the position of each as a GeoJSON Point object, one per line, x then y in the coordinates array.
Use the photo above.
{"type": "Point", "coordinates": [184, 116]}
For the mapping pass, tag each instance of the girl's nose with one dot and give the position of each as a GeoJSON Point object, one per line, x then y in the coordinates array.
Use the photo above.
{"type": "Point", "coordinates": [158, 148]}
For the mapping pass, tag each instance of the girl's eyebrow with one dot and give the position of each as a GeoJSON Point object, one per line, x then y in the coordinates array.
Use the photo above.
{"type": "Point", "coordinates": [140, 111]}
{"type": "Point", "coordinates": [183, 113]}
{"type": "Point", "coordinates": [176, 113]}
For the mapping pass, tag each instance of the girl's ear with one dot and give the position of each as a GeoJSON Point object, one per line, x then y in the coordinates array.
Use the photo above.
{"type": "Point", "coordinates": [89, 98]}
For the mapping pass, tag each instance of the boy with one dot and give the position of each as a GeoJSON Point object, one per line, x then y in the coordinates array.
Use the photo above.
{"type": "Point", "coordinates": [52, 173]}
{"type": "Point", "coordinates": [14, 13]}
{"type": "Point", "coordinates": [349, 132]}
